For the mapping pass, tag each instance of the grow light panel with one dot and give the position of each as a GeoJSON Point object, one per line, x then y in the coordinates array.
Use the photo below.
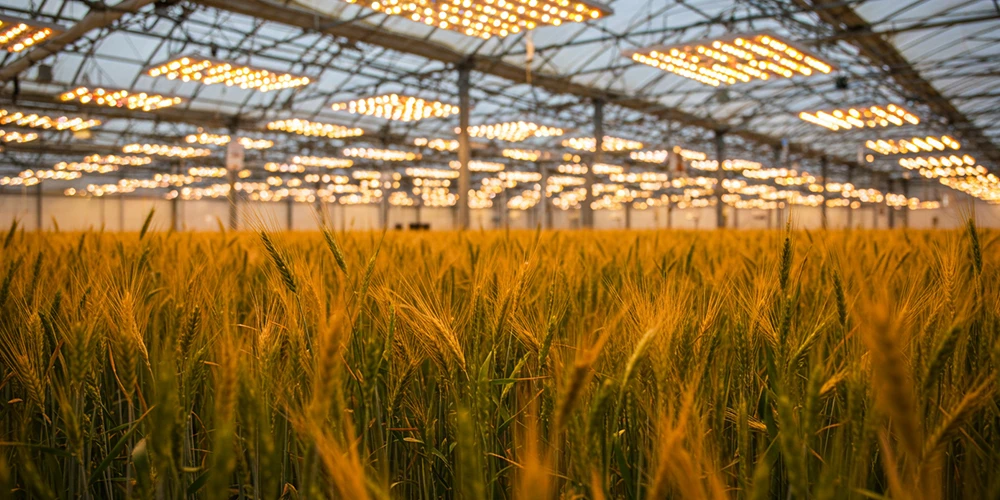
{"type": "Point", "coordinates": [732, 59]}
{"type": "Point", "coordinates": [166, 150]}
{"type": "Point", "coordinates": [208, 139]}
{"type": "Point", "coordinates": [212, 71]}
{"type": "Point", "coordinates": [431, 173]}
{"type": "Point", "coordinates": [486, 18]}
{"type": "Point", "coordinates": [478, 166]}
{"type": "Point", "coordinates": [249, 143]}
{"type": "Point", "coordinates": [120, 99]}
{"type": "Point", "coordinates": [381, 154]}
{"type": "Point", "coordinates": [515, 176]}
{"type": "Point", "coordinates": [317, 129]}
{"type": "Point", "coordinates": [512, 131]}
{"type": "Point", "coordinates": [15, 136]}
{"type": "Point", "coordinates": [322, 161]}
{"type": "Point", "coordinates": [85, 166]}
{"type": "Point", "coordinates": [20, 34]}
{"type": "Point", "coordinates": [913, 145]}
{"type": "Point", "coordinates": [608, 144]}
{"type": "Point", "coordinates": [34, 120]}
{"type": "Point", "coordinates": [658, 156]}
{"type": "Point", "coordinates": [861, 117]}
{"type": "Point", "coordinates": [937, 161]}
{"type": "Point", "coordinates": [213, 172]}
{"type": "Point", "coordinates": [446, 145]}
{"type": "Point", "coordinates": [132, 161]}
{"type": "Point", "coordinates": [728, 165]}
{"type": "Point", "coordinates": [398, 108]}
{"type": "Point", "coordinates": [522, 154]}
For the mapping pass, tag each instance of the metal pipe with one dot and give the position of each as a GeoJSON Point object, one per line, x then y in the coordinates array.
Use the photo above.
{"type": "Point", "coordinates": [720, 156]}
{"type": "Point", "coordinates": [850, 211]}
{"type": "Point", "coordinates": [464, 152]}
{"type": "Point", "coordinates": [586, 210]}
{"type": "Point", "coordinates": [824, 171]}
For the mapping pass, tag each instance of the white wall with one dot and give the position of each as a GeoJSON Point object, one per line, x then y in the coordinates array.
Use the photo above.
{"type": "Point", "coordinates": [116, 213]}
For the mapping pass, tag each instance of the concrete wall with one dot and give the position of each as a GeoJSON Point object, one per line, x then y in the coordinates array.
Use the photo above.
{"type": "Point", "coordinates": [128, 213]}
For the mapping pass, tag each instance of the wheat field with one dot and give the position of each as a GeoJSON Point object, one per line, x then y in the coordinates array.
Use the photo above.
{"type": "Point", "coordinates": [496, 365]}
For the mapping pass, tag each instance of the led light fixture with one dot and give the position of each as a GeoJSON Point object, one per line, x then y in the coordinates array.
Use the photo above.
{"type": "Point", "coordinates": [689, 154]}
{"type": "Point", "coordinates": [431, 173]}
{"type": "Point", "coordinates": [608, 144]}
{"type": "Point", "coordinates": [20, 34]}
{"type": "Point", "coordinates": [211, 71]}
{"type": "Point", "coordinates": [381, 154]}
{"type": "Point", "coordinates": [512, 131]}
{"type": "Point", "coordinates": [914, 145]}
{"type": "Point", "coordinates": [861, 117]}
{"type": "Point", "coordinates": [732, 59]}
{"type": "Point", "coordinates": [936, 161]}
{"type": "Point", "coordinates": [314, 129]}
{"type": "Point", "coordinates": [607, 169]}
{"type": "Point", "coordinates": [397, 107]}
{"type": "Point", "coordinates": [322, 161]}
{"type": "Point", "coordinates": [120, 99]}
{"type": "Point", "coordinates": [515, 176]}
{"type": "Point", "coordinates": [478, 166]}
{"type": "Point", "coordinates": [207, 171]}
{"type": "Point", "coordinates": [208, 139]}
{"type": "Point", "coordinates": [284, 168]}
{"type": "Point", "coordinates": [88, 167]}
{"type": "Point", "coordinates": [521, 154]}
{"type": "Point", "coordinates": [249, 143]}
{"type": "Point", "coordinates": [132, 161]}
{"type": "Point", "coordinates": [728, 165]}
{"type": "Point", "coordinates": [437, 144]}
{"type": "Point", "coordinates": [166, 150]}
{"type": "Point", "coordinates": [487, 18]}
{"type": "Point", "coordinates": [34, 120]}
{"type": "Point", "coordinates": [15, 136]}
{"type": "Point", "coordinates": [658, 156]}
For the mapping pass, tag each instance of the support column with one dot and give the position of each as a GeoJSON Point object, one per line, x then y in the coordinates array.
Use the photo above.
{"type": "Point", "coordinates": [464, 152]}
{"type": "Point", "coordinates": [628, 204]}
{"type": "Point", "coordinates": [175, 203]}
{"type": "Point", "coordinates": [850, 211]}
{"type": "Point", "coordinates": [778, 219]}
{"type": "Point", "coordinates": [905, 184]}
{"type": "Point", "coordinates": [290, 205]}
{"type": "Point", "coordinates": [586, 211]}
{"type": "Point", "coordinates": [891, 210]}
{"type": "Point", "coordinates": [720, 175]}
{"type": "Point", "coordinates": [39, 206]}
{"type": "Point", "coordinates": [543, 201]}
{"type": "Point", "coordinates": [234, 163]}
{"type": "Point", "coordinates": [824, 166]}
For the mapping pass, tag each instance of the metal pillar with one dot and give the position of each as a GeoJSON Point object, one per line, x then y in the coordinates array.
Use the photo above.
{"type": "Point", "coordinates": [905, 214]}
{"type": "Point", "coordinates": [39, 206]}
{"type": "Point", "coordinates": [892, 210]}
{"type": "Point", "coordinates": [587, 211]}
{"type": "Point", "coordinates": [383, 210]}
{"type": "Point", "coordinates": [175, 203]}
{"type": "Point", "coordinates": [824, 165]}
{"type": "Point", "coordinates": [628, 203]}
{"type": "Point", "coordinates": [290, 202]}
{"type": "Point", "coordinates": [850, 211]}
{"type": "Point", "coordinates": [720, 156]}
{"type": "Point", "coordinates": [463, 147]}
{"type": "Point", "coordinates": [232, 197]}
{"type": "Point", "coordinates": [543, 202]}
{"type": "Point", "coordinates": [779, 211]}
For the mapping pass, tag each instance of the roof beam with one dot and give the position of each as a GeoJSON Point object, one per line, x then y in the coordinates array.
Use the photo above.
{"type": "Point", "coordinates": [874, 47]}
{"type": "Point", "coordinates": [95, 19]}
{"type": "Point", "coordinates": [365, 33]}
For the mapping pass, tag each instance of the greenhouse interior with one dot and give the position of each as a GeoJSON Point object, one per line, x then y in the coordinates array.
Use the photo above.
{"type": "Point", "coordinates": [369, 116]}
{"type": "Point", "coordinates": [499, 249]}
